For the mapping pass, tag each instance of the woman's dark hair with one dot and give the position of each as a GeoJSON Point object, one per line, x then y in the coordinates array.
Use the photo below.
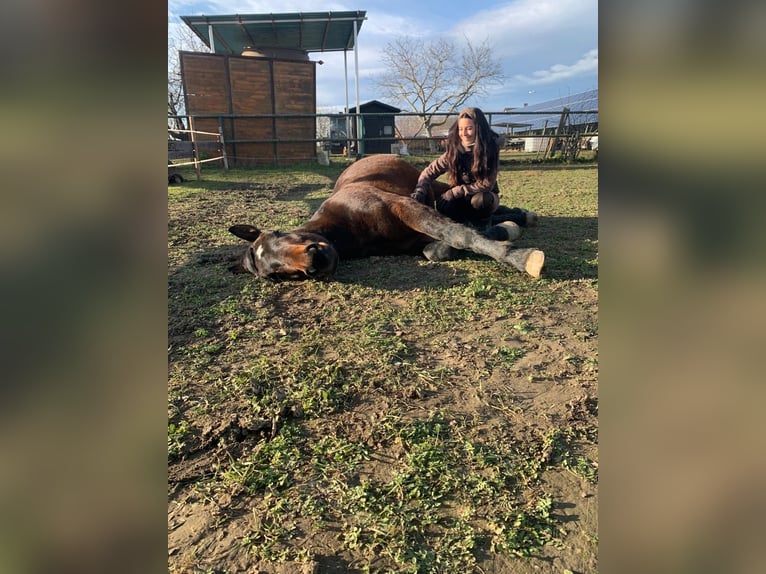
{"type": "Point", "coordinates": [486, 153]}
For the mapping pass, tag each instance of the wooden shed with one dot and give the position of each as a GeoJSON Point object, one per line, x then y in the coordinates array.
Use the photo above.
{"type": "Point", "coordinates": [225, 85]}
{"type": "Point", "coordinates": [259, 67]}
{"type": "Point", "coordinates": [375, 127]}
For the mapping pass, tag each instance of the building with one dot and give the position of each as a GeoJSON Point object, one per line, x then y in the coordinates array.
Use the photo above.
{"type": "Point", "coordinates": [378, 131]}
{"type": "Point", "coordinates": [259, 66]}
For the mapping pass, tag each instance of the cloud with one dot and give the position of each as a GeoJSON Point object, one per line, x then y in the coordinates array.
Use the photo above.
{"type": "Point", "coordinates": [530, 38]}
{"type": "Point", "coordinates": [529, 26]}
{"type": "Point", "coordinates": [585, 66]}
{"type": "Point", "coordinates": [383, 26]}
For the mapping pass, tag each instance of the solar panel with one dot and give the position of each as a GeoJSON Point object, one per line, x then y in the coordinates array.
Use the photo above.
{"type": "Point", "coordinates": [534, 117]}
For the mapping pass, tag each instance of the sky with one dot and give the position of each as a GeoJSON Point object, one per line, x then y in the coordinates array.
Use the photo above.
{"type": "Point", "coordinates": [547, 48]}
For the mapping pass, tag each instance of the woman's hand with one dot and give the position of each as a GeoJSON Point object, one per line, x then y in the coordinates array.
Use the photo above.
{"type": "Point", "coordinates": [420, 195]}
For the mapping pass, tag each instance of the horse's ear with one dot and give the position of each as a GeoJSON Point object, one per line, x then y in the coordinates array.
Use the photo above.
{"type": "Point", "coordinates": [246, 232]}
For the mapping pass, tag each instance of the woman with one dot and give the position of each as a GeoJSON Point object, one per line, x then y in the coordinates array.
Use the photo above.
{"type": "Point", "coordinates": [471, 160]}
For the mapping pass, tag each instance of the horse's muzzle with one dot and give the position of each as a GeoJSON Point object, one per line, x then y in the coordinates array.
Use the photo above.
{"type": "Point", "coordinates": [323, 260]}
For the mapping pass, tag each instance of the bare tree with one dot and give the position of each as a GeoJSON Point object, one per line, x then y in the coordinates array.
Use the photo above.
{"type": "Point", "coordinates": [180, 38]}
{"type": "Point", "coordinates": [434, 77]}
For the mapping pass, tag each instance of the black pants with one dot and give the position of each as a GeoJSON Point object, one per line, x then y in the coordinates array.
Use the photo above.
{"type": "Point", "coordinates": [515, 214]}
{"type": "Point", "coordinates": [475, 209]}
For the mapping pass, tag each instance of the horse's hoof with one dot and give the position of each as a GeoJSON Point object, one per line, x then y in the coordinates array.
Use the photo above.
{"type": "Point", "coordinates": [505, 231]}
{"type": "Point", "coordinates": [438, 251]}
{"type": "Point", "coordinates": [532, 219]}
{"type": "Point", "coordinates": [534, 263]}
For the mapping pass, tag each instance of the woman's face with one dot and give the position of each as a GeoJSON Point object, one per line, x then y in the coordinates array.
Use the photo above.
{"type": "Point", "coordinates": [467, 131]}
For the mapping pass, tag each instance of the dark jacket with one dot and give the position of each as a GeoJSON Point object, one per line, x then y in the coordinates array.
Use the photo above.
{"type": "Point", "coordinates": [467, 186]}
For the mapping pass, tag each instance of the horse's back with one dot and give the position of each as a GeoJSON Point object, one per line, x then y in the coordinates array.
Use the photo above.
{"type": "Point", "coordinates": [383, 172]}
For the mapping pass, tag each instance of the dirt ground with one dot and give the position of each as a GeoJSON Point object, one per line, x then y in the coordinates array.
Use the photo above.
{"type": "Point", "coordinates": [333, 377]}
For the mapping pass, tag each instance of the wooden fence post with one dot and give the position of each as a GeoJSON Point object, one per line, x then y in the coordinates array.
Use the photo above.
{"type": "Point", "coordinates": [552, 145]}
{"type": "Point", "coordinates": [223, 143]}
{"type": "Point", "coordinates": [194, 149]}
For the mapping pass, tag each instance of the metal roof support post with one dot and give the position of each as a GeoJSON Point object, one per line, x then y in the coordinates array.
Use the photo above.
{"type": "Point", "coordinates": [210, 35]}
{"type": "Point", "coordinates": [346, 123]}
{"type": "Point", "coordinates": [359, 145]}
{"type": "Point", "coordinates": [345, 75]}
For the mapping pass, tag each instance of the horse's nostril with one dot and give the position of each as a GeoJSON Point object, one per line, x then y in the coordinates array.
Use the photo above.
{"type": "Point", "coordinates": [312, 247]}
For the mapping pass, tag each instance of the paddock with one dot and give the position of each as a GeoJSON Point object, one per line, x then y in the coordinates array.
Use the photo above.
{"type": "Point", "coordinates": [408, 412]}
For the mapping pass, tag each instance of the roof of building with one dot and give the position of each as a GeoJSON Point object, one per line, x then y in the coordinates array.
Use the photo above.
{"type": "Point", "coordinates": [307, 31]}
{"type": "Point", "coordinates": [375, 104]}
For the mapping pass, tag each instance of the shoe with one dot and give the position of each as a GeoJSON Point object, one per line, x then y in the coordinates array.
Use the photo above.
{"type": "Point", "coordinates": [518, 215]}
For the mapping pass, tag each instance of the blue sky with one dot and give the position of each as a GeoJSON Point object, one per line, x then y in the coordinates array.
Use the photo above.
{"type": "Point", "coordinates": [548, 48]}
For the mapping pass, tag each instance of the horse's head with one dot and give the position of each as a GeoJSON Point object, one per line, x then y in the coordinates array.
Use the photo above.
{"type": "Point", "coordinates": [286, 256]}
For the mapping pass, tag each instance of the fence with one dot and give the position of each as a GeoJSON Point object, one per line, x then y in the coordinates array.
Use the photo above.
{"type": "Point", "coordinates": [194, 150]}
{"type": "Point", "coordinates": [572, 132]}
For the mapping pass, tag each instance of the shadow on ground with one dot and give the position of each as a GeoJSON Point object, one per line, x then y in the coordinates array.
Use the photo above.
{"type": "Point", "coordinates": [570, 245]}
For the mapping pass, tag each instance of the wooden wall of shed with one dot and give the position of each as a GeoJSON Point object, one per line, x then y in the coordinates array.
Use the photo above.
{"type": "Point", "coordinates": [295, 92]}
{"type": "Point", "coordinates": [250, 84]}
{"type": "Point", "coordinates": [205, 86]}
{"type": "Point", "coordinates": [216, 84]}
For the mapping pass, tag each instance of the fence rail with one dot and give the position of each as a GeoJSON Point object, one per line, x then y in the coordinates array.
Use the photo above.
{"type": "Point", "coordinates": [192, 149]}
{"type": "Point", "coordinates": [336, 133]}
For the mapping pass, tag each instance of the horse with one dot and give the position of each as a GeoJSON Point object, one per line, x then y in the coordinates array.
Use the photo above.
{"type": "Point", "coordinates": [370, 212]}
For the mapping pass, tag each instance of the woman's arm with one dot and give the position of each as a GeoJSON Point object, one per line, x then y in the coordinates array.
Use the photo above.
{"type": "Point", "coordinates": [467, 190]}
{"type": "Point", "coordinates": [432, 172]}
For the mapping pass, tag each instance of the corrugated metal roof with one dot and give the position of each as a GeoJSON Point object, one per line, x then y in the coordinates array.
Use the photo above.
{"type": "Point", "coordinates": [307, 31]}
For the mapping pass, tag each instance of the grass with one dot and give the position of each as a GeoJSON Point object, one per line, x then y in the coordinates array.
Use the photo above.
{"type": "Point", "coordinates": [420, 514]}
{"type": "Point", "coordinates": [402, 418]}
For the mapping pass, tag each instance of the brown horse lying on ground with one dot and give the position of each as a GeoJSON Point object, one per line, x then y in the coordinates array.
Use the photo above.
{"type": "Point", "coordinates": [370, 212]}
